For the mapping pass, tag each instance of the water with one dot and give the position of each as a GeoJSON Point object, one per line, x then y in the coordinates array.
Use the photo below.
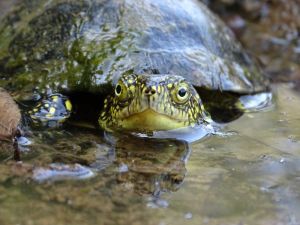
{"type": "Point", "coordinates": [249, 177]}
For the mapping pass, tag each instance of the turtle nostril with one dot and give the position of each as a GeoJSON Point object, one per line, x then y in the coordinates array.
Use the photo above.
{"type": "Point", "coordinates": [150, 91]}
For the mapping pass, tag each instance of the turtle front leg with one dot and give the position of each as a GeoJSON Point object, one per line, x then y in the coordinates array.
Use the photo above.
{"type": "Point", "coordinates": [51, 111]}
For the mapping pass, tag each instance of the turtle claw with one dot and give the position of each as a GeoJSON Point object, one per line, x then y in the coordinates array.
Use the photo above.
{"type": "Point", "coordinates": [51, 111]}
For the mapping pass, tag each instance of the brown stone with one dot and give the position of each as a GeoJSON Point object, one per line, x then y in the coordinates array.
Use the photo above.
{"type": "Point", "coordinates": [10, 116]}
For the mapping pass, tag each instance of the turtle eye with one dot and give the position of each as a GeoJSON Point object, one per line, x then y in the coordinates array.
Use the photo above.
{"type": "Point", "coordinates": [181, 94]}
{"type": "Point", "coordinates": [121, 91]}
{"type": "Point", "coordinates": [118, 90]}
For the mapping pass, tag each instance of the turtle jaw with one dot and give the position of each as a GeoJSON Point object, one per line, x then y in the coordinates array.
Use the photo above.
{"type": "Point", "coordinates": [150, 120]}
{"type": "Point", "coordinates": [146, 119]}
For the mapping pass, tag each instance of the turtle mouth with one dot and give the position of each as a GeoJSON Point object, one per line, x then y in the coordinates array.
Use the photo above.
{"type": "Point", "coordinates": [151, 120]}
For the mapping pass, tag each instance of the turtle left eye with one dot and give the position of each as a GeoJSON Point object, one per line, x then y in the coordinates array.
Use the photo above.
{"type": "Point", "coordinates": [182, 92]}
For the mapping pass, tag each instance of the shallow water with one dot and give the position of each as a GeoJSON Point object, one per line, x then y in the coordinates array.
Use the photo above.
{"type": "Point", "coordinates": [249, 177]}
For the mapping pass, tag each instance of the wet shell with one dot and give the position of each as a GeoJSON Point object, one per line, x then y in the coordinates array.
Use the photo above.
{"type": "Point", "coordinates": [87, 45]}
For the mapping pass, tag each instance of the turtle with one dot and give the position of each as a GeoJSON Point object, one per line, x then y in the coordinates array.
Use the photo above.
{"type": "Point", "coordinates": [130, 65]}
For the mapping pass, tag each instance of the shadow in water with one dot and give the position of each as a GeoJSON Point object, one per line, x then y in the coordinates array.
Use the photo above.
{"type": "Point", "coordinates": [151, 165]}
{"type": "Point", "coordinates": [144, 165]}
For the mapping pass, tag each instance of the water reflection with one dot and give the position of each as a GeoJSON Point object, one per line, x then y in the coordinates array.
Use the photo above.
{"type": "Point", "coordinates": [146, 166]}
{"type": "Point", "coordinates": [250, 176]}
{"type": "Point", "coordinates": [151, 166]}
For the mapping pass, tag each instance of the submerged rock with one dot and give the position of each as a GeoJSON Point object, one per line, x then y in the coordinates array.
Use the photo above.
{"type": "Point", "coordinates": [58, 171]}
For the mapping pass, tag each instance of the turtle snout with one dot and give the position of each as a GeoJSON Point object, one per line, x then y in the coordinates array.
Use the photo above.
{"type": "Point", "coordinates": [150, 91]}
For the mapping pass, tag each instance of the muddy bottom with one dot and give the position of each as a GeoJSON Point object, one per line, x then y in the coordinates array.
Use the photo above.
{"type": "Point", "coordinates": [250, 176]}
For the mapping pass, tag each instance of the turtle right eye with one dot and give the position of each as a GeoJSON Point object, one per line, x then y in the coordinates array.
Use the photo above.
{"type": "Point", "coordinates": [121, 91]}
{"type": "Point", "coordinates": [118, 90]}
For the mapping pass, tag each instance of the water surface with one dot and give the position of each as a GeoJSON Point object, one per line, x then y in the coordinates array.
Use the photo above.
{"type": "Point", "coordinates": [249, 177]}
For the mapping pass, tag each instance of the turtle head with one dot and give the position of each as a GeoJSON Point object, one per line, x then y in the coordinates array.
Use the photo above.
{"type": "Point", "coordinates": [151, 102]}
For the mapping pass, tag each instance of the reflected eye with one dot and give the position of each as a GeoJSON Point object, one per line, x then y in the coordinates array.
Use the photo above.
{"type": "Point", "coordinates": [118, 90]}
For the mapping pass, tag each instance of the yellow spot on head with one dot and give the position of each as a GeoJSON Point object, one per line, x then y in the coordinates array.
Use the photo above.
{"type": "Point", "coordinates": [46, 105]}
{"type": "Point", "coordinates": [159, 89]}
{"type": "Point", "coordinates": [130, 81]}
{"type": "Point", "coordinates": [131, 88]}
{"type": "Point", "coordinates": [170, 86]}
{"type": "Point", "coordinates": [68, 105]}
{"type": "Point", "coordinates": [51, 110]}
{"type": "Point", "coordinates": [55, 98]}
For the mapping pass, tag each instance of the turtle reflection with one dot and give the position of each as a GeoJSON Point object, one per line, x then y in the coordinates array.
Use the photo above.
{"type": "Point", "coordinates": [144, 165]}
{"type": "Point", "coordinates": [150, 166]}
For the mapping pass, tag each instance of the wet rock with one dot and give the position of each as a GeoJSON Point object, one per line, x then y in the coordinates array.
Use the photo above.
{"type": "Point", "coordinates": [276, 25]}
{"type": "Point", "coordinates": [236, 23]}
{"type": "Point", "coordinates": [57, 171]}
{"type": "Point", "coordinates": [10, 116]}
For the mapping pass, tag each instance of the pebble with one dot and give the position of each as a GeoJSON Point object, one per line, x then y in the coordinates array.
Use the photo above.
{"type": "Point", "coordinates": [188, 216]}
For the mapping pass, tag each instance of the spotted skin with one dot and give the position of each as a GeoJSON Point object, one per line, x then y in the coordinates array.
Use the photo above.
{"type": "Point", "coordinates": [144, 102]}
{"type": "Point", "coordinates": [151, 102]}
{"type": "Point", "coordinates": [51, 111]}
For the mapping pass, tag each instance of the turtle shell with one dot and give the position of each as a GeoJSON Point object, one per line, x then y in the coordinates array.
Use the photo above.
{"type": "Point", "coordinates": [86, 45]}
